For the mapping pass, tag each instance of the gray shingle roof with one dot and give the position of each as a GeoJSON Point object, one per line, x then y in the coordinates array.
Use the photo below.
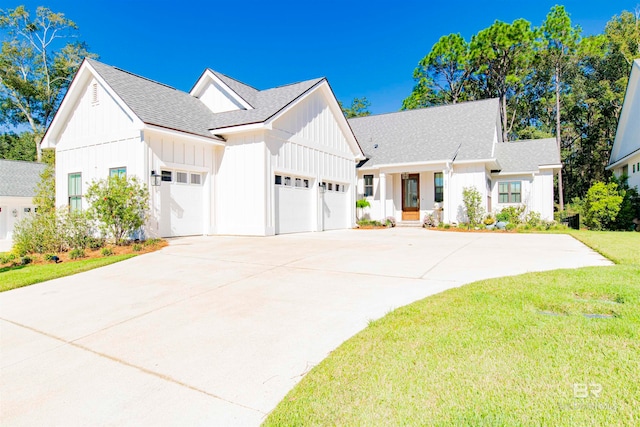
{"type": "Point", "coordinates": [429, 134]}
{"type": "Point", "coordinates": [19, 179]}
{"type": "Point", "coordinates": [266, 103]}
{"type": "Point", "coordinates": [527, 156]}
{"type": "Point", "coordinates": [245, 91]}
{"type": "Point", "coordinates": [161, 105]}
{"type": "Point", "coordinates": [155, 103]}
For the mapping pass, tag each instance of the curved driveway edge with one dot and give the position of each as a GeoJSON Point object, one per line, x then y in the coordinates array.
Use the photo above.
{"type": "Point", "coordinates": [216, 330]}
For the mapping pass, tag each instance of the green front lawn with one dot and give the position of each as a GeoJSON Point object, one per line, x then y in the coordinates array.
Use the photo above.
{"type": "Point", "coordinates": [16, 277]}
{"type": "Point", "coordinates": [509, 351]}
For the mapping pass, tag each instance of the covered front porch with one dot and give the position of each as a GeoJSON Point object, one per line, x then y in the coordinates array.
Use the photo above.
{"type": "Point", "coordinates": [407, 193]}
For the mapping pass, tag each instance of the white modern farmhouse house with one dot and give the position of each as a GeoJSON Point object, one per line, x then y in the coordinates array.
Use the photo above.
{"type": "Point", "coordinates": [227, 158]}
{"type": "Point", "coordinates": [419, 161]}
{"type": "Point", "coordinates": [625, 153]}
{"type": "Point", "coordinates": [223, 159]}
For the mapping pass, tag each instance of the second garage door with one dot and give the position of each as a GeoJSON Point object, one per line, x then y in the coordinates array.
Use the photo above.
{"type": "Point", "coordinates": [335, 205]}
{"type": "Point", "coordinates": [293, 205]}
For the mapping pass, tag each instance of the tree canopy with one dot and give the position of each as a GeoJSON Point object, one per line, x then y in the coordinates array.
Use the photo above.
{"type": "Point", "coordinates": [359, 108]}
{"type": "Point", "coordinates": [550, 81]}
{"type": "Point", "coordinates": [40, 54]}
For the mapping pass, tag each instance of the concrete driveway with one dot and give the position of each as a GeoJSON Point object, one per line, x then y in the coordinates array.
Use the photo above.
{"type": "Point", "coordinates": [216, 330]}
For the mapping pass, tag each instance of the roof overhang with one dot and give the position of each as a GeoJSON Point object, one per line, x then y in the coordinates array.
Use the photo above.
{"type": "Point", "coordinates": [408, 166]}
{"type": "Point", "coordinates": [213, 140]}
{"type": "Point", "coordinates": [623, 159]}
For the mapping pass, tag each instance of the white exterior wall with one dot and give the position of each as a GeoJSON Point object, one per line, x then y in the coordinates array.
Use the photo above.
{"type": "Point", "coordinates": [634, 177]}
{"type": "Point", "coordinates": [536, 193]}
{"type": "Point", "coordinates": [187, 203]}
{"type": "Point", "coordinates": [97, 136]}
{"type": "Point", "coordinates": [12, 210]}
{"type": "Point", "coordinates": [218, 99]}
{"type": "Point", "coordinates": [241, 186]}
{"type": "Point", "coordinates": [467, 175]}
{"type": "Point", "coordinates": [307, 142]}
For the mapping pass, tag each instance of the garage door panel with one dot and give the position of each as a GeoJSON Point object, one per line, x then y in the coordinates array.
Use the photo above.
{"type": "Point", "coordinates": [294, 209]}
{"type": "Point", "coordinates": [335, 208]}
{"type": "Point", "coordinates": [181, 209]}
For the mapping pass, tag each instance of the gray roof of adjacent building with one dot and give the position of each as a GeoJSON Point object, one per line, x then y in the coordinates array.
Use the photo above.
{"type": "Point", "coordinates": [18, 178]}
{"type": "Point", "coordinates": [527, 155]}
{"type": "Point", "coordinates": [464, 131]}
{"type": "Point", "coordinates": [161, 105]}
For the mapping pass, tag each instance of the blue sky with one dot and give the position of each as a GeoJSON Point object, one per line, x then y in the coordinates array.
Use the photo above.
{"type": "Point", "coordinates": [365, 48]}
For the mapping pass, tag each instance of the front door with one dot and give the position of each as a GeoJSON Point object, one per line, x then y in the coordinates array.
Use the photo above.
{"type": "Point", "coordinates": [411, 197]}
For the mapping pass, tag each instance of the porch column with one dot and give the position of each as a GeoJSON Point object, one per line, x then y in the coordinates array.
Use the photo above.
{"type": "Point", "coordinates": [446, 202]}
{"type": "Point", "coordinates": [383, 195]}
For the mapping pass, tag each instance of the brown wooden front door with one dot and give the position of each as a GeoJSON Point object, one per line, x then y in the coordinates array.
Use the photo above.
{"type": "Point", "coordinates": [411, 197]}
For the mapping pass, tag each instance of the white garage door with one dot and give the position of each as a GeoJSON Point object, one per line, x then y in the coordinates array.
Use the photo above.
{"type": "Point", "coordinates": [294, 205]}
{"type": "Point", "coordinates": [181, 208]}
{"type": "Point", "coordinates": [335, 207]}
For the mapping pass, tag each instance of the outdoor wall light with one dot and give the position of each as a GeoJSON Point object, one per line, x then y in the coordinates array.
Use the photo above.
{"type": "Point", "coordinates": [156, 179]}
{"type": "Point", "coordinates": [405, 175]}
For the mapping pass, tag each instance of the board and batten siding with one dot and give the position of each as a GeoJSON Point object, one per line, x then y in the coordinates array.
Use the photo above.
{"type": "Point", "coordinates": [241, 186]}
{"type": "Point", "coordinates": [307, 142]}
{"type": "Point", "coordinates": [468, 175]}
{"type": "Point", "coordinates": [536, 193]}
{"type": "Point", "coordinates": [180, 154]}
{"type": "Point", "coordinates": [98, 135]}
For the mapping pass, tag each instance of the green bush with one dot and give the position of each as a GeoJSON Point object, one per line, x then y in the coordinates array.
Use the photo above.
{"type": "Point", "coordinates": [49, 257]}
{"type": "Point", "coordinates": [120, 205]}
{"type": "Point", "coordinates": [370, 222]}
{"type": "Point", "coordinates": [601, 206]}
{"type": "Point", "coordinates": [106, 251]}
{"type": "Point", "coordinates": [629, 207]}
{"type": "Point", "coordinates": [7, 257]}
{"type": "Point", "coordinates": [361, 204]}
{"type": "Point", "coordinates": [95, 243]}
{"type": "Point", "coordinates": [26, 260]}
{"type": "Point", "coordinates": [472, 200]}
{"type": "Point", "coordinates": [533, 219]}
{"type": "Point", "coordinates": [511, 226]}
{"type": "Point", "coordinates": [77, 253]}
{"type": "Point", "coordinates": [152, 242]}
{"type": "Point", "coordinates": [79, 229]}
{"type": "Point", "coordinates": [137, 247]}
{"type": "Point", "coordinates": [39, 233]}
{"type": "Point", "coordinates": [511, 214]}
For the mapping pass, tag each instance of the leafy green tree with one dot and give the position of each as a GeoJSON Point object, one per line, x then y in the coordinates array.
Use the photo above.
{"type": "Point", "coordinates": [602, 205]}
{"type": "Point", "coordinates": [630, 206]}
{"type": "Point", "coordinates": [45, 198]}
{"type": "Point", "coordinates": [120, 205]}
{"type": "Point", "coordinates": [623, 32]}
{"type": "Point", "coordinates": [502, 54]}
{"type": "Point", "coordinates": [37, 62]}
{"type": "Point", "coordinates": [561, 41]}
{"type": "Point", "coordinates": [443, 76]}
{"type": "Point", "coordinates": [359, 108]}
{"type": "Point", "coordinates": [17, 147]}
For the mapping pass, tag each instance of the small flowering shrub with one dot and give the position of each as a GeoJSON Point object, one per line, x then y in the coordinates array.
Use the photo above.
{"type": "Point", "coordinates": [119, 205]}
{"type": "Point", "coordinates": [390, 221]}
{"type": "Point", "coordinates": [429, 221]}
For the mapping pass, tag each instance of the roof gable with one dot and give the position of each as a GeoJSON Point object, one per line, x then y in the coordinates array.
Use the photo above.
{"type": "Point", "coordinates": [627, 139]}
{"type": "Point", "coordinates": [462, 132]}
{"type": "Point", "coordinates": [19, 179]}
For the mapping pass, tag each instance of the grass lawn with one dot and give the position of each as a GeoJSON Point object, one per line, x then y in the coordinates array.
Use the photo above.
{"type": "Point", "coordinates": [11, 278]}
{"type": "Point", "coordinates": [509, 351]}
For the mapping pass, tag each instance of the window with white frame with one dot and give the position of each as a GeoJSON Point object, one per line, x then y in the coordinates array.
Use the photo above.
{"type": "Point", "coordinates": [368, 185]}
{"type": "Point", "coordinates": [119, 172]}
{"type": "Point", "coordinates": [510, 192]}
{"type": "Point", "coordinates": [196, 179]}
{"type": "Point", "coordinates": [438, 186]}
{"type": "Point", "coordinates": [75, 192]}
{"type": "Point", "coordinates": [278, 180]}
{"type": "Point", "coordinates": [166, 176]}
{"type": "Point", "coordinates": [287, 181]}
{"type": "Point", "coordinates": [181, 177]}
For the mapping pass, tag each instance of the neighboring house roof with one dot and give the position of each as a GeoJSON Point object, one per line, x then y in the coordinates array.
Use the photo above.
{"type": "Point", "coordinates": [156, 103]}
{"type": "Point", "coordinates": [265, 103]}
{"type": "Point", "coordinates": [527, 156]}
{"type": "Point", "coordinates": [19, 179]}
{"type": "Point", "coordinates": [464, 131]}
